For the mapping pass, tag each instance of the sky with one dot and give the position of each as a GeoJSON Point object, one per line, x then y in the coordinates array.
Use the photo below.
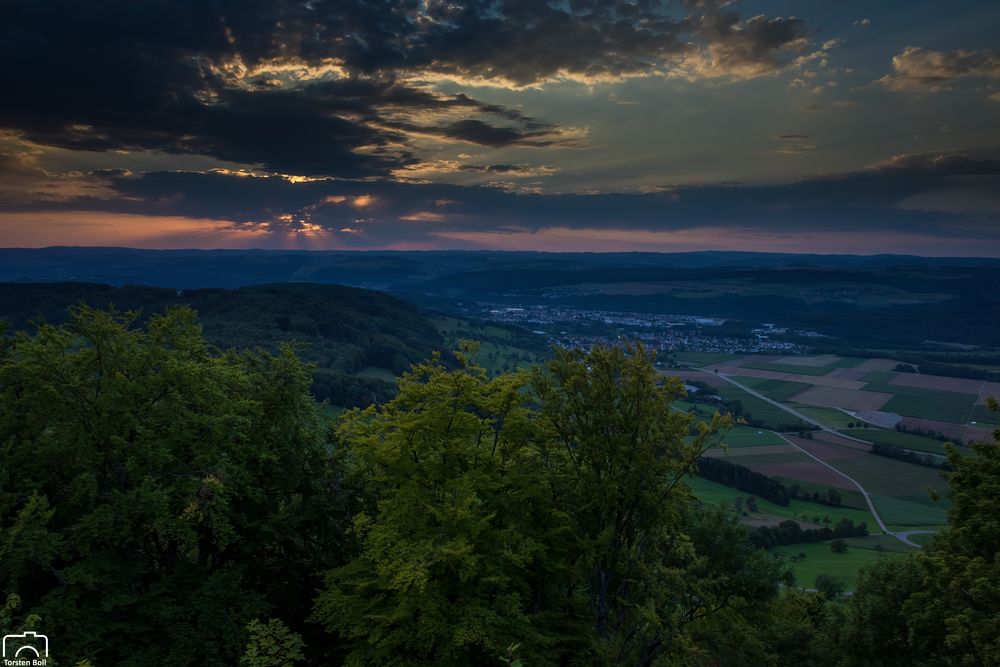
{"type": "Point", "coordinates": [829, 126]}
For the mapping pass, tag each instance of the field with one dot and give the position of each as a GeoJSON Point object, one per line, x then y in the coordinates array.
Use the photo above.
{"type": "Point", "coordinates": [926, 403]}
{"type": "Point", "coordinates": [803, 369]}
{"type": "Point", "coordinates": [500, 349]}
{"type": "Point", "coordinates": [912, 441]}
{"type": "Point", "coordinates": [704, 358]}
{"type": "Point", "coordinates": [779, 390]}
{"type": "Point", "coordinates": [808, 513]}
{"type": "Point", "coordinates": [821, 560]}
{"type": "Point", "coordinates": [757, 408]}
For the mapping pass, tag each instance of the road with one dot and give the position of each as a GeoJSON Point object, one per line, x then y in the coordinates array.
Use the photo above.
{"type": "Point", "coordinates": [789, 410]}
{"type": "Point", "coordinates": [904, 536]}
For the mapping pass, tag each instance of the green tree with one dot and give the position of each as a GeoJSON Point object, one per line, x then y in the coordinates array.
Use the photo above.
{"type": "Point", "coordinates": [156, 496]}
{"type": "Point", "coordinates": [828, 586]}
{"type": "Point", "coordinates": [271, 644]}
{"type": "Point", "coordinates": [454, 536]}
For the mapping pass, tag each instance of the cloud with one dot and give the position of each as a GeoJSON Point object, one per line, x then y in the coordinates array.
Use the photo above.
{"type": "Point", "coordinates": [917, 68]}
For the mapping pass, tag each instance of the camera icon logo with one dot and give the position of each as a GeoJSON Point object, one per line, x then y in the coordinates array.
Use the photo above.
{"type": "Point", "coordinates": [26, 645]}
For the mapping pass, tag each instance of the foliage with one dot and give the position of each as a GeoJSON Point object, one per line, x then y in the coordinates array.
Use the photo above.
{"type": "Point", "coordinates": [271, 644]}
{"type": "Point", "coordinates": [156, 497]}
{"type": "Point", "coordinates": [743, 478]}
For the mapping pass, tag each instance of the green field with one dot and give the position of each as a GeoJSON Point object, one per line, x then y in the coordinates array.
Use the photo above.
{"type": "Point", "coordinates": [779, 390]}
{"type": "Point", "coordinates": [948, 406]}
{"type": "Point", "coordinates": [700, 359]}
{"type": "Point", "coordinates": [827, 416]}
{"type": "Point", "coordinates": [852, 499]}
{"type": "Point", "coordinates": [909, 513]}
{"type": "Point", "coordinates": [912, 441]}
{"type": "Point", "coordinates": [983, 416]}
{"type": "Point", "coordinates": [713, 493]}
{"type": "Point", "coordinates": [844, 362]}
{"type": "Point", "coordinates": [820, 560]}
{"type": "Point", "coordinates": [745, 436]}
{"type": "Point", "coordinates": [757, 408]}
{"type": "Point", "coordinates": [879, 376]}
{"type": "Point", "coordinates": [890, 477]}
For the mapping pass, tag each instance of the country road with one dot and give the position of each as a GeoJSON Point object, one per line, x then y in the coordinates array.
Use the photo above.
{"type": "Point", "coordinates": [904, 536]}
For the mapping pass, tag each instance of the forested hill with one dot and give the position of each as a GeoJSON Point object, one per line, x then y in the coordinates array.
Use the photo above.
{"type": "Point", "coordinates": [342, 330]}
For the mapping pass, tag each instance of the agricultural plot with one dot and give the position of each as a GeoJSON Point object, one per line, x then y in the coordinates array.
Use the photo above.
{"type": "Point", "coordinates": [925, 403]}
{"type": "Point", "coordinates": [819, 559]}
{"type": "Point", "coordinates": [772, 415]}
{"type": "Point", "coordinates": [882, 377]}
{"type": "Point", "coordinates": [889, 477]}
{"type": "Point", "coordinates": [704, 358]}
{"type": "Point", "coordinates": [917, 443]}
{"type": "Point", "coordinates": [982, 415]}
{"type": "Point", "coordinates": [902, 513]}
{"type": "Point", "coordinates": [779, 390]}
{"type": "Point", "coordinates": [803, 369]}
{"type": "Point", "coordinates": [808, 513]}
{"type": "Point", "coordinates": [849, 399]}
{"type": "Point", "coordinates": [831, 417]}
{"type": "Point", "coordinates": [746, 437]}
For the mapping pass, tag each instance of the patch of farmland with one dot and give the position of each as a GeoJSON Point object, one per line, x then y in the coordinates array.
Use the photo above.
{"type": "Point", "coordinates": [877, 365]}
{"type": "Point", "coordinates": [938, 383]}
{"type": "Point", "coordinates": [819, 559]}
{"type": "Point", "coordinates": [742, 453]}
{"type": "Point", "coordinates": [961, 432]}
{"type": "Point", "coordinates": [852, 374]}
{"type": "Point", "coordinates": [794, 369]}
{"type": "Point", "coordinates": [813, 360]}
{"type": "Point", "coordinates": [912, 441]}
{"type": "Point", "coordinates": [779, 390]}
{"type": "Point", "coordinates": [831, 417]}
{"type": "Point", "coordinates": [757, 408]}
{"type": "Point", "coordinates": [881, 377]}
{"type": "Point", "coordinates": [981, 414]}
{"type": "Point", "coordinates": [900, 512]}
{"type": "Point", "coordinates": [835, 397]}
{"type": "Point", "coordinates": [890, 477]}
{"type": "Point", "coordinates": [705, 358]}
{"type": "Point", "coordinates": [743, 371]}
{"type": "Point", "coordinates": [707, 378]}
{"type": "Point", "coordinates": [806, 470]}
{"type": "Point", "coordinates": [827, 451]}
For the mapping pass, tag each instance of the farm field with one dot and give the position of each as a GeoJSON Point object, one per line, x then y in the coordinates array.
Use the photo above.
{"type": "Point", "coordinates": [757, 408]}
{"type": "Point", "coordinates": [779, 390]}
{"type": "Point", "coordinates": [704, 358]}
{"type": "Point", "coordinates": [803, 368]}
{"type": "Point", "coordinates": [821, 560]}
{"type": "Point", "coordinates": [912, 441]}
{"type": "Point", "coordinates": [807, 513]}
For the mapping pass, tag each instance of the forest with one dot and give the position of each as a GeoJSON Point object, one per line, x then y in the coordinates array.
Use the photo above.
{"type": "Point", "coordinates": [167, 500]}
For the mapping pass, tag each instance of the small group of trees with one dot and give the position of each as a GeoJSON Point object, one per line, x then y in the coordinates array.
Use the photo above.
{"type": "Point", "coordinates": [828, 496]}
{"type": "Point", "coordinates": [896, 452]}
{"type": "Point", "coordinates": [743, 478]}
{"type": "Point", "coordinates": [790, 532]}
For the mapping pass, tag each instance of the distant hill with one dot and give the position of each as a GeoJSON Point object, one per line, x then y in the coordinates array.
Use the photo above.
{"type": "Point", "coordinates": [343, 330]}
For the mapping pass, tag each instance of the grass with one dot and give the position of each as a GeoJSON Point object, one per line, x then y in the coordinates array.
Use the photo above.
{"type": "Point", "coordinates": [900, 512]}
{"type": "Point", "coordinates": [758, 408]}
{"type": "Point", "coordinates": [889, 477]}
{"type": "Point", "coordinates": [843, 362]}
{"type": "Point", "coordinates": [852, 499]}
{"type": "Point", "coordinates": [779, 390]}
{"type": "Point", "coordinates": [498, 351]}
{"type": "Point", "coordinates": [912, 441]}
{"type": "Point", "coordinates": [704, 358]}
{"type": "Point", "coordinates": [947, 406]}
{"type": "Point", "coordinates": [880, 377]}
{"type": "Point", "coordinates": [714, 493]}
{"type": "Point", "coordinates": [820, 560]}
{"type": "Point", "coordinates": [827, 416]}
{"type": "Point", "coordinates": [745, 436]}
{"type": "Point", "coordinates": [983, 416]}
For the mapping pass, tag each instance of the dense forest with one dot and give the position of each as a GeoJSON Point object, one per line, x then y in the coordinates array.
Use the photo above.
{"type": "Point", "coordinates": [167, 501]}
{"type": "Point", "coordinates": [341, 330]}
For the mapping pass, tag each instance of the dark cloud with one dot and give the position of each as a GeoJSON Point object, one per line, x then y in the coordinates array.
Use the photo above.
{"type": "Point", "coordinates": [793, 136]}
{"type": "Point", "coordinates": [336, 87]}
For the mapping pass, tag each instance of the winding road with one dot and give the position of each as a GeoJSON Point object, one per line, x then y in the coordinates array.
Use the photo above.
{"type": "Point", "coordinates": [903, 536]}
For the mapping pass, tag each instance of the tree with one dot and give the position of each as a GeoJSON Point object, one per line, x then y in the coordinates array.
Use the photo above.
{"type": "Point", "coordinates": [828, 587]}
{"type": "Point", "coordinates": [271, 644]}
{"type": "Point", "coordinates": [156, 497]}
{"type": "Point", "coordinates": [455, 532]}
{"type": "Point", "coordinates": [838, 546]}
